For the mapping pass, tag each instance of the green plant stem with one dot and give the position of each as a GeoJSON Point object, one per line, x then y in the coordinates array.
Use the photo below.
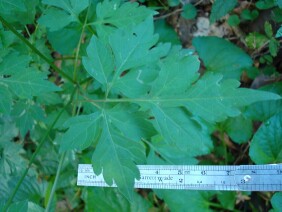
{"type": "Point", "coordinates": [225, 148]}
{"type": "Point", "coordinates": [55, 182]}
{"type": "Point", "coordinates": [35, 50]}
{"type": "Point", "coordinates": [42, 141]}
{"type": "Point", "coordinates": [78, 46]}
{"type": "Point", "coordinates": [59, 167]}
{"type": "Point", "coordinates": [74, 79]}
{"type": "Point", "coordinates": [60, 163]}
{"type": "Point", "coordinates": [151, 100]}
{"type": "Point", "coordinates": [215, 205]}
{"type": "Point", "coordinates": [73, 112]}
{"type": "Point", "coordinates": [65, 58]}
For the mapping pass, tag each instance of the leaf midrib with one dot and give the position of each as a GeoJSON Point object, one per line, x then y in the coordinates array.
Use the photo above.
{"type": "Point", "coordinates": [190, 99]}
{"type": "Point", "coordinates": [111, 140]}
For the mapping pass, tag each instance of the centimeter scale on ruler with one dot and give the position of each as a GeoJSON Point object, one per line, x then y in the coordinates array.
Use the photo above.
{"type": "Point", "coordinates": [196, 177]}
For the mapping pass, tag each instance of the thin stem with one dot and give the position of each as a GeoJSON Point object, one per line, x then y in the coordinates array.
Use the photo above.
{"type": "Point", "coordinates": [177, 100]}
{"type": "Point", "coordinates": [91, 30]}
{"type": "Point", "coordinates": [242, 153]}
{"type": "Point", "coordinates": [165, 6]}
{"type": "Point", "coordinates": [78, 46]}
{"type": "Point", "coordinates": [216, 205]}
{"type": "Point", "coordinates": [55, 182]}
{"type": "Point", "coordinates": [27, 31]}
{"type": "Point", "coordinates": [169, 14]}
{"type": "Point", "coordinates": [225, 147]}
{"type": "Point", "coordinates": [257, 51]}
{"type": "Point", "coordinates": [35, 50]}
{"type": "Point", "coordinates": [75, 100]}
{"type": "Point", "coordinates": [65, 58]}
{"type": "Point", "coordinates": [41, 143]}
{"type": "Point", "coordinates": [93, 103]}
{"type": "Point", "coordinates": [61, 160]}
{"type": "Point", "coordinates": [198, 2]}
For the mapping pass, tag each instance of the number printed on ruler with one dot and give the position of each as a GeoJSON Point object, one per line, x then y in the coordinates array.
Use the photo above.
{"type": "Point", "coordinates": [187, 177]}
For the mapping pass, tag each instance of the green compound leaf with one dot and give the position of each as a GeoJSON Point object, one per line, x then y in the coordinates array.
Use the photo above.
{"type": "Point", "coordinates": [119, 146]}
{"type": "Point", "coordinates": [115, 14]}
{"type": "Point", "coordinates": [220, 8]}
{"type": "Point", "coordinates": [62, 13]}
{"type": "Point", "coordinates": [21, 80]}
{"type": "Point", "coordinates": [180, 132]}
{"type": "Point", "coordinates": [13, 62]}
{"type": "Point", "coordinates": [120, 14]}
{"type": "Point", "coordinates": [171, 82]}
{"type": "Point", "coordinates": [116, 154]}
{"type": "Point", "coordinates": [84, 129]}
{"type": "Point", "coordinates": [221, 56]}
{"type": "Point", "coordinates": [138, 51]}
{"type": "Point", "coordinates": [26, 115]}
{"type": "Point", "coordinates": [23, 11]}
{"type": "Point", "coordinates": [100, 62]}
{"type": "Point", "coordinates": [215, 100]}
{"type": "Point", "coordinates": [137, 82]}
{"type": "Point", "coordinates": [266, 146]}
{"type": "Point", "coordinates": [140, 81]}
{"type": "Point", "coordinates": [11, 160]}
{"type": "Point", "coordinates": [29, 82]}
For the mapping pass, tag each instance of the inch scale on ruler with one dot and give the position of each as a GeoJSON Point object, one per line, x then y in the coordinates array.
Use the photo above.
{"type": "Point", "coordinates": [197, 177]}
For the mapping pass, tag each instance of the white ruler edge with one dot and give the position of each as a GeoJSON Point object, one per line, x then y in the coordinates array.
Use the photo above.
{"type": "Point", "coordinates": [196, 177]}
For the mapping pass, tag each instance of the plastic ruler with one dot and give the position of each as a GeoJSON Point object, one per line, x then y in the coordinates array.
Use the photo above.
{"type": "Point", "coordinates": [196, 177]}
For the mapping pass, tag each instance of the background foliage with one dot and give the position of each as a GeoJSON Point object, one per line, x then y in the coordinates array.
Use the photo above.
{"type": "Point", "coordinates": [109, 83]}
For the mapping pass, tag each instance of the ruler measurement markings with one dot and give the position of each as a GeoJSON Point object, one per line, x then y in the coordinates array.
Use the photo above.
{"type": "Point", "coordinates": [246, 177]}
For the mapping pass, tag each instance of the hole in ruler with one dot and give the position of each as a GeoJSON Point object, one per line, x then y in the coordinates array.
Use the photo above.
{"type": "Point", "coordinates": [247, 178]}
